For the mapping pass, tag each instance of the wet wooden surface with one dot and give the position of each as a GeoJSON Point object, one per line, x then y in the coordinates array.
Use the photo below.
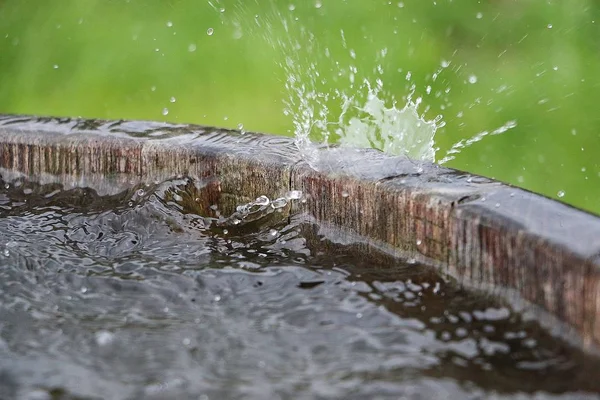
{"type": "Point", "coordinates": [488, 235]}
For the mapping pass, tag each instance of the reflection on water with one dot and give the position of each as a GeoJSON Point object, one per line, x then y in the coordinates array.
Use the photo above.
{"type": "Point", "coordinates": [134, 296]}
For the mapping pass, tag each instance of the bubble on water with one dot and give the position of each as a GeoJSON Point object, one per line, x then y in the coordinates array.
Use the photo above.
{"type": "Point", "coordinates": [165, 111]}
{"type": "Point", "coordinates": [472, 79]}
{"type": "Point", "coordinates": [192, 47]}
{"type": "Point", "coordinates": [210, 31]}
{"type": "Point", "coordinates": [561, 193]}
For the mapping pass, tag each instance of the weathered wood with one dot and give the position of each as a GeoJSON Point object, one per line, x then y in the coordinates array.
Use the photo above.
{"type": "Point", "coordinates": [485, 234]}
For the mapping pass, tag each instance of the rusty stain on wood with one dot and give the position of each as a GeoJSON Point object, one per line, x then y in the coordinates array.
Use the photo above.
{"type": "Point", "coordinates": [483, 233]}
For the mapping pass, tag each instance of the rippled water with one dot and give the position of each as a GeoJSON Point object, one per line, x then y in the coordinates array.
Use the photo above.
{"type": "Point", "coordinates": [137, 295]}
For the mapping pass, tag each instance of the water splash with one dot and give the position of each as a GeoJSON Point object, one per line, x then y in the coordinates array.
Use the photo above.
{"type": "Point", "coordinates": [333, 101]}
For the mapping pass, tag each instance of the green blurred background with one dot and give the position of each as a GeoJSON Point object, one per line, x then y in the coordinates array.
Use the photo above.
{"type": "Point", "coordinates": [535, 62]}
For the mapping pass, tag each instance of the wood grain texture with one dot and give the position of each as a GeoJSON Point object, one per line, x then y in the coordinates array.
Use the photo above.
{"type": "Point", "coordinates": [485, 234]}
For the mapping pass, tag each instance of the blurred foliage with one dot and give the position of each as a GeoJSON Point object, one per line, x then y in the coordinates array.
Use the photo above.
{"type": "Point", "coordinates": [535, 62]}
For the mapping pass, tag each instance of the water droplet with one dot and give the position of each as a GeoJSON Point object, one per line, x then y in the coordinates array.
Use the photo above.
{"type": "Point", "coordinates": [225, 231]}
{"type": "Point", "coordinates": [55, 66]}
{"type": "Point", "coordinates": [210, 31]}
{"type": "Point", "coordinates": [359, 315]}
{"type": "Point", "coordinates": [192, 47]}
{"type": "Point", "coordinates": [104, 338]}
{"type": "Point", "coordinates": [140, 192]}
{"type": "Point", "coordinates": [172, 99]}
{"type": "Point", "coordinates": [401, 4]}
{"type": "Point", "coordinates": [279, 203]}
{"type": "Point", "coordinates": [217, 298]}
{"type": "Point", "coordinates": [345, 194]}
{"type": "Point", "coordinates": [497, 205]}
{"type": "Point", "coordinates": [169, 24]}
{"type": "Point", "coordinates": [293, 195]}
{"type": "Point", "coordinates": [240, 127]}
{"type": "Point", "coordinates": [84, 289]}
{"type": "Point", "coordinates": [291, 7]}
{"type": "Point", "coordinates": [186, 341]}
{"type": "Point", "coordinates": [549, 26]}
{"type": "Point", "coordinates": [561, 193]}
{"type": "Point", "coordinates": [479, 15]}
{"type": "Point", "coordinates": [262, 201]}
{"type": "Point", "coordinates": [165, 111]}
{"type": "Point", "coordinates": [153, 89]}
{"type": "Point", "coordinates": [318, 4]}
{"type": "Point", "coordinates": [273, 232]}
{"type": "Point", "coordinates": [472, 79]}
{"type": "Point", "coordinates": [419, 242]}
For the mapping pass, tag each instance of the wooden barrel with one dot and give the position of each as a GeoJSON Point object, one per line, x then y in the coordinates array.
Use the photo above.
{"type": "Point", "coordinates": [523, 247]}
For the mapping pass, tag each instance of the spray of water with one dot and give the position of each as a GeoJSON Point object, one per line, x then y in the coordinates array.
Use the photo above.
{"type": "Point", "coordinates": [332, 101]}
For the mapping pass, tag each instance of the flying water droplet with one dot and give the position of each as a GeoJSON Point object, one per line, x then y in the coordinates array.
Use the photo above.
{"type": "Point", "coordinates": [165, 111]}
{"type": "Point", "coordinates": [561, 193]}
{"type": "Point", "coordinates": [293, 195]}
{"type": "Point", "coordinates": [192, 47]}
{"type": "Point", "coordinates": [210, 31]}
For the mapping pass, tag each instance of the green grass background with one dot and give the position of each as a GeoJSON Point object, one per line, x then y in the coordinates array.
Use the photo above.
{"type": "Point", "coordinates": [536, 62]}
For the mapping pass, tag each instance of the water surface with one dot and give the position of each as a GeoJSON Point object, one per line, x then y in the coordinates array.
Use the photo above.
{"type": "Point", "coordinates": [133, 296]}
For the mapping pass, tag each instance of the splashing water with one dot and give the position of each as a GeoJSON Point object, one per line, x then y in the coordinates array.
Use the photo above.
{"type": "Point", "coordinates": [332, 101]}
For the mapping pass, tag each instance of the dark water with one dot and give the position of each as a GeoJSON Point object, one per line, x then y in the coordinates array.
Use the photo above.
{"type": "Point", "coordinates": [131, 296]}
